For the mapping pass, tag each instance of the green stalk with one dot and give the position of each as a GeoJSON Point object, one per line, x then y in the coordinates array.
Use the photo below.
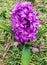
{"type": "Point", "coordinates": [26, 55]}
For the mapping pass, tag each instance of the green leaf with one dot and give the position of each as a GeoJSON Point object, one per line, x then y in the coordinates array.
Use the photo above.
{"type": "Point", "coordinates": [32, 1]}
{"type": "Point", "coordinates": [41, 32]}
{"type": "Point", "coordinates": [25, 55]}
{"type": "Point", "coordinates": [5, 27]}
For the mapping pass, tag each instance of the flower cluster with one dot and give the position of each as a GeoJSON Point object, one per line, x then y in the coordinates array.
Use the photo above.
{"type": "Point", "coordinates": [25, 22]}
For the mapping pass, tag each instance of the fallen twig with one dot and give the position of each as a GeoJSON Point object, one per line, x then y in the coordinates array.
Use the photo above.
{"type": "Point", "coordinates": [10, 44]}
{"type": "Point", "coordinates": [6, 49]}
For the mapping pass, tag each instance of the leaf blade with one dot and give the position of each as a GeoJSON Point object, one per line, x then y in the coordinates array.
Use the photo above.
{"type": "Point", "coordinates": [5, 27]}
{"type": "Point", "coordinates": [41, 32]}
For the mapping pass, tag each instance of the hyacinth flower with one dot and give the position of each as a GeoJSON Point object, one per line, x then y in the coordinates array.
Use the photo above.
{"type": "Point", "coordinates": [25, 28]}
{"type": "Point", "coordinates": [25, 22]}
{"type": "Point", "coordinates": [25, 25]}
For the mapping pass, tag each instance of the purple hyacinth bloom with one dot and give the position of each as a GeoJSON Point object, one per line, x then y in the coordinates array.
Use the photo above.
{"type": "Point", "coordinates": [25, 22]}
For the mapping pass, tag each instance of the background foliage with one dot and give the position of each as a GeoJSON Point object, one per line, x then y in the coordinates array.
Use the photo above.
{"type": "Point", "coordinates": [14, 54]}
